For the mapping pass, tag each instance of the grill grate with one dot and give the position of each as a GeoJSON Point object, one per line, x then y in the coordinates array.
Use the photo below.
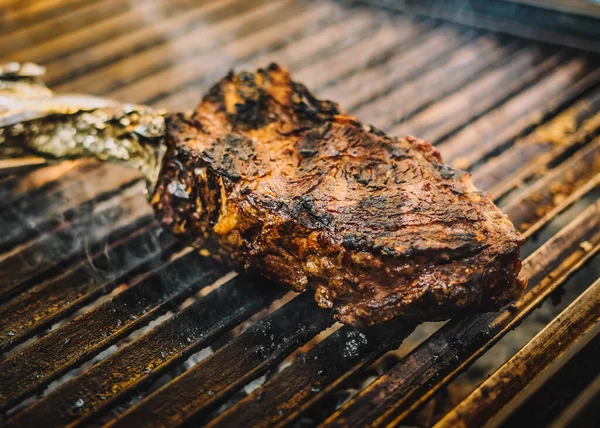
{"type": "Point", "coordinates": [87, 276]}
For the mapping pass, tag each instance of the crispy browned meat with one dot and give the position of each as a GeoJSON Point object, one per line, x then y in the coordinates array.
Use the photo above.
{"type": "Point", "coordinates": [281, 183]}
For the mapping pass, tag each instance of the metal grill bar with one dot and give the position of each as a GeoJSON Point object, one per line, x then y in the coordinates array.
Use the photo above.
{"type": "Point", "coordinates": [547, 349]}
{"type": "Point", "coordinates": [560, 390]}
{"type": "Point", "coordinates": [190, 330]}
{"type": "Point", "coordinates": [29, 217]}
{"type": "Point", "coordinates": [107, 221]}
{"type": "Point", "coordinates": [510, 86]}
{"type": "Point", "coordinates": [24, 372]}
{"type": "Point", "coordinates": [18, 189]}
{"type": "Point", "coordinates": [112, 50]}
{"type": "Point", "coordinates": [17, 14]}
{"type": "Point", "coordinates": [53, 299]}
{"type": "Point", "coordinates": [23, 37]}
{"type": "Point", "coordinates": [403, 66]}
{"type": "Point", "coordinates": [482, 138]}
{"type": "Point", "coordinates": [159, 59]}
{"type": "Point", "coordinates": [540, 150]}
{"type": "Point", "coordinates": [202, 388]}
{"type": "Point", "coordinates": [13, 166]}
{"type": "Point", "coordinates": [126, 26]}
{"type": "Point", "coordinates": [557, 190]}
{"type": "Point", "coordinates": [481, 96]}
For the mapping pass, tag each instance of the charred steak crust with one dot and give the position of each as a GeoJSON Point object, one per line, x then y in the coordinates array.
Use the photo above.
{"type": "Point", "coordinates": [278, 182]}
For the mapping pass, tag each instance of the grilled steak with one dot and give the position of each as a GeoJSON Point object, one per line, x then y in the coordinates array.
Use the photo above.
{"type": "Point", "coordinates": [278, 182]}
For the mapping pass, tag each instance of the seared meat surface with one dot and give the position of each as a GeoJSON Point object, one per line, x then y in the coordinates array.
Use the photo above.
{"type": "Point", "coordinates": [278, 182]}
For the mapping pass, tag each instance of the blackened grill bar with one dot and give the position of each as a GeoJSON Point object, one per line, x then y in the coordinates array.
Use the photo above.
{"type": "Point", "coordinates": [55, 298]}
{"type": "Point", "coordinates": [534, 107]}
{"type": "Point", "coordinates": [233, 366]}
{"type": "Point", "coordinates": [26, 218]}
{"type": "Point", "coordinates": [109, 219]}
{"type": "Point", "coordinates": [579, 319]}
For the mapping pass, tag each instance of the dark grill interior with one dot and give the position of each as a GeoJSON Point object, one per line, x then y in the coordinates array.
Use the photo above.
{"type": "Point", "coordinates": [100, 311]}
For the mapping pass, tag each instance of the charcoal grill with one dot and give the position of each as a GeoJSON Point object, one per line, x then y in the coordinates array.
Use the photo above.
{"type": "Point", "coordinates": [104, 319]}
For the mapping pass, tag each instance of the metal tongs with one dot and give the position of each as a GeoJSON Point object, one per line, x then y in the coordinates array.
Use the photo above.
{"type": "Point", "coordinates": [38, 126]}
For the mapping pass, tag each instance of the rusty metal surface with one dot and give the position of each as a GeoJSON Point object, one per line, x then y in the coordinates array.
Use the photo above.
{"type": "Point", "coordinates": [521, 116]}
